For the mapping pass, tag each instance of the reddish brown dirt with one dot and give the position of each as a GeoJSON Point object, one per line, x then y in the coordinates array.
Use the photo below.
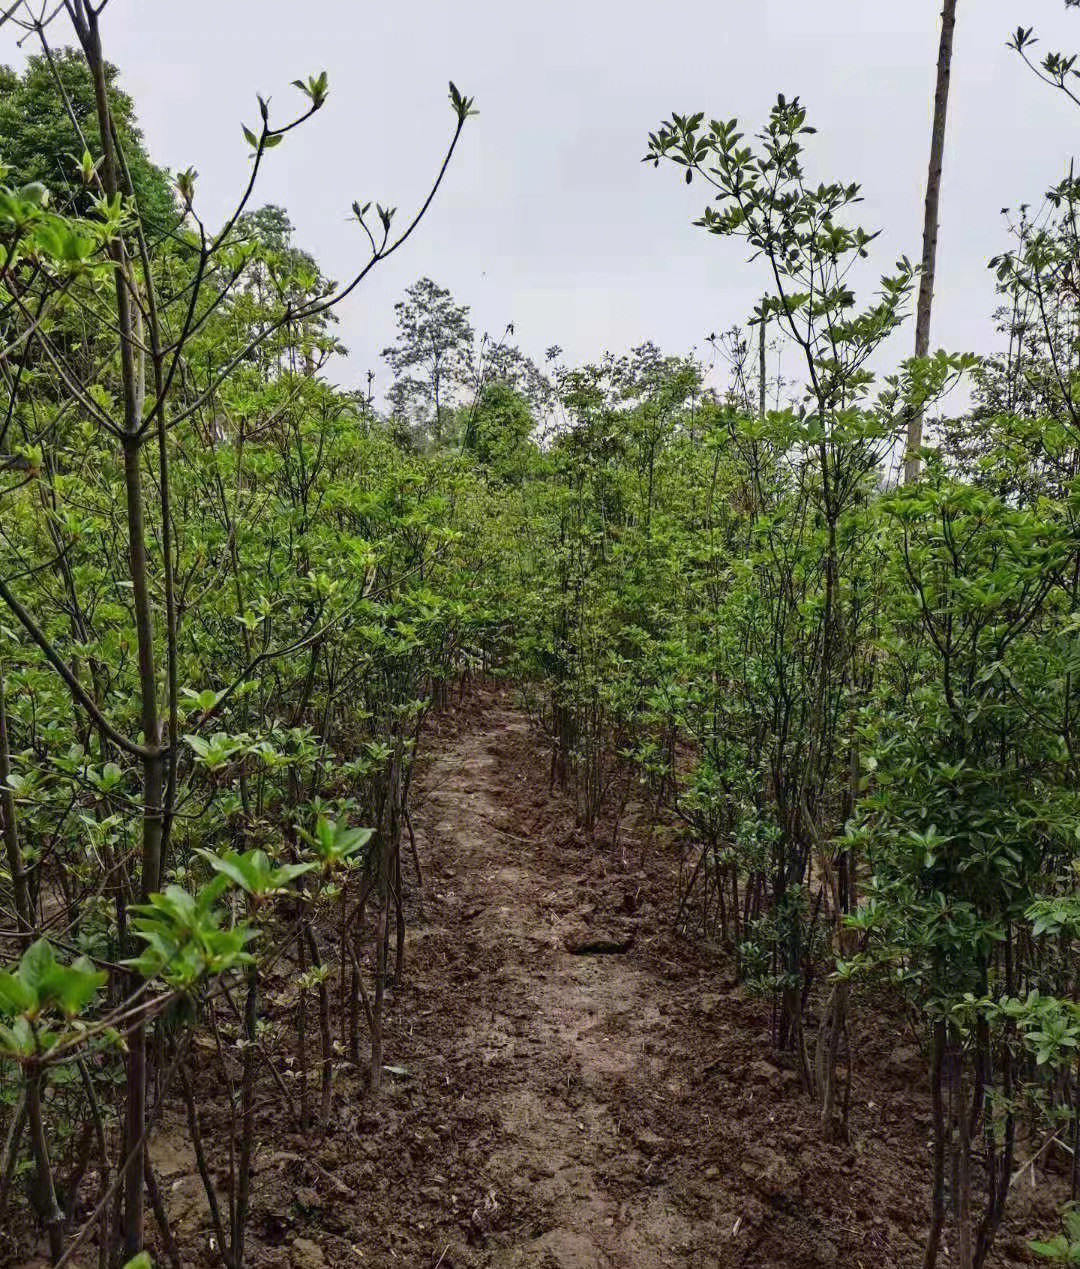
{"type": "Point", "coordinates": [558, 1111]}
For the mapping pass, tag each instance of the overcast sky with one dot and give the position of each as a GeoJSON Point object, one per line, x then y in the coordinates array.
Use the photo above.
{"type": "Point", "coordinates": [547, 217]}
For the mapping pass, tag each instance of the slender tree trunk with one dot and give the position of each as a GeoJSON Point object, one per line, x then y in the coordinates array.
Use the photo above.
{"type": "Point", "coordinates": [387, 835]}
{"type": "Point", "coordinates": [325, 1036]}
{"type": "Point", "coordinates": [937, 1209]}
{"type": "Point", "coordinates": [247, 1117]}
{"type": "Point", "coordinates": [912, 463]}
{"type": "Point", "coordinates": [46, 1191]}
{"type": "Point", "coordinates": [153, 790]}
{"type": "Point", "coordinates": [10, 824]}
{"type": "Point", "coordinates": [301, 1023]}
{"type": "Point", "coordinates": [964, 1249]}
{"type": "Point", "coordinates": [375, 1078]}
{"type": "Point", "coordinates": [132, 373]}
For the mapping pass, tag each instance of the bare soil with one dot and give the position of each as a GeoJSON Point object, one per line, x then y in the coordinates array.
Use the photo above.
{"type": "Point", "coordinates": [552, 1110]}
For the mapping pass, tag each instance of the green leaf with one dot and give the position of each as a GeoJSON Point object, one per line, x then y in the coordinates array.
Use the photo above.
{"type": "Point", "coordinates": [15, 996]}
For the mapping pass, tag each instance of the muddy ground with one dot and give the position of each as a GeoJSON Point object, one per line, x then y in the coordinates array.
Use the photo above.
{"type": "Point", "coordinates": [563, 1111]}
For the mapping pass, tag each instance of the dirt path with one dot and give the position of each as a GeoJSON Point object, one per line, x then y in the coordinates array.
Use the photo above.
{"type": "Point", "coordinates": [550, 1035]}
{"type": "Point", "coordinates": [558, 1111]}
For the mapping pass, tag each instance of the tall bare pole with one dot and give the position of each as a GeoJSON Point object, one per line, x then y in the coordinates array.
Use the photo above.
{"type": "Point", "coordinates": [912, 462]}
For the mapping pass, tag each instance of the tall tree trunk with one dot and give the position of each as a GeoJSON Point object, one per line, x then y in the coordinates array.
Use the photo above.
{"type": "Point", "coordinates": [132, 374]}
{"type": "Point", "coordinates": [912, 463]}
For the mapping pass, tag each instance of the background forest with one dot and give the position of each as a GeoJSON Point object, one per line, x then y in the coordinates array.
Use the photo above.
{"type": "Point", "coordinates": [232, 594]}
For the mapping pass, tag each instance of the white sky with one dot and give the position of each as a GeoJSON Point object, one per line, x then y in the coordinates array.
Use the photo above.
{"type": "Point", "coordinates": [547, 217]}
